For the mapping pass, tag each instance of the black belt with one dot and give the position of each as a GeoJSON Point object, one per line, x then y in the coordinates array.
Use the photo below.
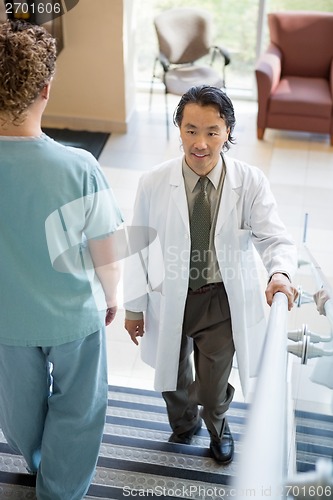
{"type": "Point", "coordinates": [205, 288]}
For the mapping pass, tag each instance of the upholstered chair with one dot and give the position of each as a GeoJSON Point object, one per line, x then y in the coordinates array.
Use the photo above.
{"type": "Point", "coordinates": [184, 38]}
{"type": "Point", "coordinates": [295, 74]}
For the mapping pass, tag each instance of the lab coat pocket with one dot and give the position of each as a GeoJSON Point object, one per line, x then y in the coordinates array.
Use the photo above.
{"type": "Point", "coordinates": [154, 310]}
{"type": "Point", "coordinates": [250, 278]}
{"type": "Point", "coordinates": [149, 341]}
{"type": "Point", "coordinates": [243, 239]}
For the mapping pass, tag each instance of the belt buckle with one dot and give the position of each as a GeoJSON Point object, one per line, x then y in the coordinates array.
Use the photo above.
{"type": "Point", "coordinates": [205, 288]}
{"type": "Point", "coordinates": [198, 291]}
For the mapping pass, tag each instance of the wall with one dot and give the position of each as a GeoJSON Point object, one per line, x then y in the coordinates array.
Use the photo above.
{"type": "Point", "coordinates": [129, 55]}
{"type": "Point", "coordinates": [91, 87]}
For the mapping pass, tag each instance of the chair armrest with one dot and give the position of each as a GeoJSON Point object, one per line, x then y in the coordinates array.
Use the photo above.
{"type": "Point", "coordinates": [268, 69]}
{"type": "Point", "coordinates": [164, 61]}
{"type": "Point", "coordinates": [224, 53]}
{"type": "Point", "coordinates": [331, 89]}
{"type": "Point", "coordinates": [268, 73]}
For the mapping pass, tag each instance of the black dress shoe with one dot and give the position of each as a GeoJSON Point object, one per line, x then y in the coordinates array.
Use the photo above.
{"type": "Point", "coordinates": [223, 451]}
{"type": "Point", "coordinates": [185, 437]}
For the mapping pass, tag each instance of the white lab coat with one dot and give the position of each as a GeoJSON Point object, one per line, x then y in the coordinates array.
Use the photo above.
{"type": "Point", "coordinates": [247, 219]}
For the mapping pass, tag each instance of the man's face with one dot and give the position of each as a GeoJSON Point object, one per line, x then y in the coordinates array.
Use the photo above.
{"type": "Point", "coordinates": [203, 133]}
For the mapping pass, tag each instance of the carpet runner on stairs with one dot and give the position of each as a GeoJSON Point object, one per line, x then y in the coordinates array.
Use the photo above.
{"type": "Point", "coordinates": [136, 459]}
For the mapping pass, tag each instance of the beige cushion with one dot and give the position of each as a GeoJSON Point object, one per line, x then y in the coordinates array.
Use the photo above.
{"type": "Point", "coordinates": [178, 81]}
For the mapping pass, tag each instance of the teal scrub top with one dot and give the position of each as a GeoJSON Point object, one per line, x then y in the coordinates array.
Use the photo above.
{"type": "Point", "coordinates": [52, 199]}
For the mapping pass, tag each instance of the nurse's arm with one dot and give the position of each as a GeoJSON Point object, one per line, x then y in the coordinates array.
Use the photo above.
{"type": "Point", "coordinates": [104, 256]}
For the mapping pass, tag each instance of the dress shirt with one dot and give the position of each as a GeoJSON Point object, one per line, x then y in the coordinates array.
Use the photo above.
{"type": "Point", "coordinates": [214, 190]}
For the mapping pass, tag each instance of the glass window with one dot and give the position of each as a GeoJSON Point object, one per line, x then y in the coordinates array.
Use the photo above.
{"type": "Point", "coordinates": [235, 28]}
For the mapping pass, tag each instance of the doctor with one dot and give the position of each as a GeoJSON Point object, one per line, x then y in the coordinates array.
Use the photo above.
{"type": "Point", "coordinates": [209, 212]}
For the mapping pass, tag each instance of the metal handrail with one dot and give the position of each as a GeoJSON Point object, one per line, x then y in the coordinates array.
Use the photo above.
{"type": "Point", "coordinates": [322, 478]}
{"type": "Point", "coordinates": [263, 461]}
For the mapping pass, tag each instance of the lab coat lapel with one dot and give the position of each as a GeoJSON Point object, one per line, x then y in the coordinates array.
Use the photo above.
{"type": "Point", "coordinates": [178, 193]}
{"type": "Point", "coordinates": [230, 195]}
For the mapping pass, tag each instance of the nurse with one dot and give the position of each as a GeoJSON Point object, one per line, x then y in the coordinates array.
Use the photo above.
{"type": "Point", "coordinates": [58, 278]}
{"type": "Point", "coordinates": [210, 213]}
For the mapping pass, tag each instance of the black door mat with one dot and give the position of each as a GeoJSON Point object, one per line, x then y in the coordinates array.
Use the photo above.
{"type": "Point", "coordinates": [93, 142]}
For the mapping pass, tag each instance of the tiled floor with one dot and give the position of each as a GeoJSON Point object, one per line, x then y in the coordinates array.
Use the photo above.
{"type": "Point", "coordinates": [299, 167]}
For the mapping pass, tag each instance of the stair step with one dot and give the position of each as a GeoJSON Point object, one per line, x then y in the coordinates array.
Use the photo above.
{"type": "Point", "coordinates": [314, 439]}
{"type": "Point", "coordinates": [136, 457]}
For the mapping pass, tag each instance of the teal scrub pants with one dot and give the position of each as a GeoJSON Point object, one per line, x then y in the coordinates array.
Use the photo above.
{"type": "Point", "coordinates": [53, 402]}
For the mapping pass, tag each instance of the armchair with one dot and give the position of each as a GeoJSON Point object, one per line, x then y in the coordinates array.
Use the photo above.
{"type": "Point", "coordinates": [295, 74]}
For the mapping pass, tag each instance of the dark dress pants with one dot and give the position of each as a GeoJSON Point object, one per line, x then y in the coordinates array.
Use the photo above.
{"type": "Point", "coordinates": [207, 332]}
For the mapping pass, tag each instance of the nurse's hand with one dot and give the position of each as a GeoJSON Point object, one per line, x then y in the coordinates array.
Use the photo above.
{"type": "Point", "coordinates": [110, 315]}
{"type": "Point", "coordinates": [135, 328]}
{"type": "Point", "coordinates": [320, 298]}
{"type": "Point", "coordinates": [280, 283]}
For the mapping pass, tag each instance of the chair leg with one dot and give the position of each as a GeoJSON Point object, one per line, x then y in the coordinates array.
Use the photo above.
{"type": "Point", "coordinates": [214, 52]}
{"type": "Point", "coordinates": [167, 114]}
{"type": "Point", "coordinates": [152, 83]}
{"type": "Point", "coordinates": [260, 133]}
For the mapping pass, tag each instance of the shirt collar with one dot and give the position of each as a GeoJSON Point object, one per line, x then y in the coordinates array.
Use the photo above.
{"type": "Point", "coordinates": [191, 178]}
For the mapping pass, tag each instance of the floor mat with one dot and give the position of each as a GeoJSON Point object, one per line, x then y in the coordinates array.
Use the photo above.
{"type": "Point", "coordinates": [93, 142]}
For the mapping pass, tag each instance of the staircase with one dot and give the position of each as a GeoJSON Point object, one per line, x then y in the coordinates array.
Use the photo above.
{"type": "Point", "coordinates": [136, 459]}
{"type": "Point", "coordinates": [314, 439]}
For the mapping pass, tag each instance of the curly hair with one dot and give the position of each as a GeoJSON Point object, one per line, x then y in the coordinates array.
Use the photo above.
{"type": "Point", "coordinates": [27, 64]}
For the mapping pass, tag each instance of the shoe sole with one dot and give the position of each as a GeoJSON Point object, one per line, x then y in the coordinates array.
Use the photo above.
{"type": "Point", "coordinates": [225, 462]}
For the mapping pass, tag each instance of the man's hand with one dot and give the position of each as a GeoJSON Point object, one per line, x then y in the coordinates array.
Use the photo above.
{"type": "Point", "coordinates": [135, 328]}
{"type": "Point", "coordinates": [280, 283]}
